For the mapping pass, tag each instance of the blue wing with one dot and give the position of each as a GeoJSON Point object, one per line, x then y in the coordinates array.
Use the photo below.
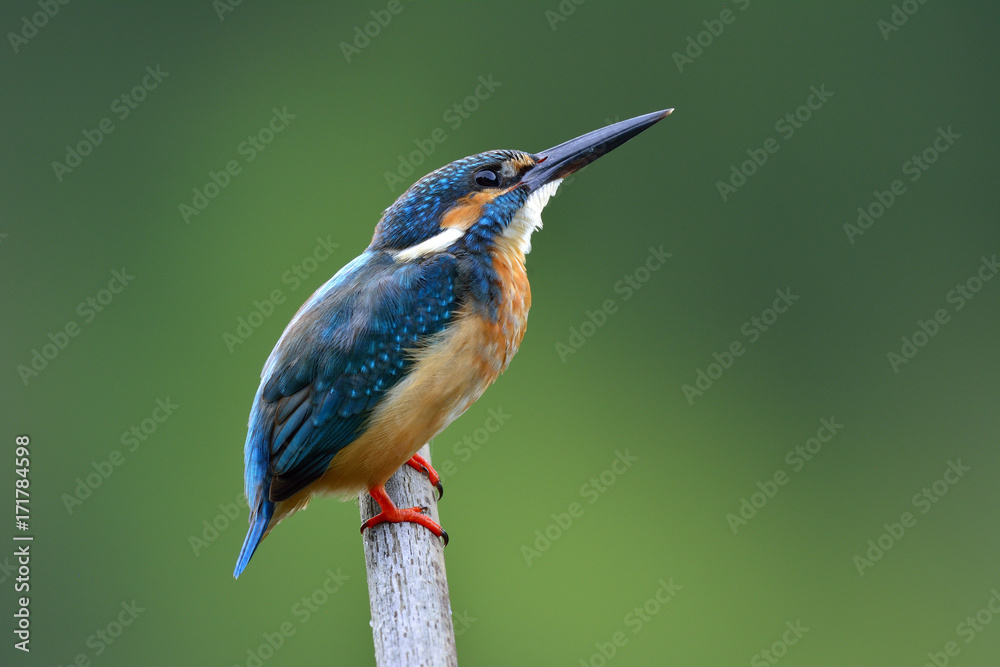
{"type": "Point", "coordinates": [347, 346]}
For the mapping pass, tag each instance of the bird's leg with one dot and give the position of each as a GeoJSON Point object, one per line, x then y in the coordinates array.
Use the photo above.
{"type": "Point", "coordinates": [420, 464]}
{"type": "Point", "coordinates": [392, 514]}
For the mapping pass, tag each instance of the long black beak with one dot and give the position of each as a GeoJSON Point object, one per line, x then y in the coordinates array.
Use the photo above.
{"type": "Point", "coordinates": [564, 159]}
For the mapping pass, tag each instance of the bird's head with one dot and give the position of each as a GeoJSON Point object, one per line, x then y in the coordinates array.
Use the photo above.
{"type": "Point", "coordinates": [492, 200]}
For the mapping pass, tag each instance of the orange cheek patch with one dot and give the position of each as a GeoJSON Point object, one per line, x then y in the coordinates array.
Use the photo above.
{"type": "Point", "coordinates": [469, 208]}
{"type": "Point", "coordinates": [466, 210]}
{"type": "Point", "coordinates": [461, 216]}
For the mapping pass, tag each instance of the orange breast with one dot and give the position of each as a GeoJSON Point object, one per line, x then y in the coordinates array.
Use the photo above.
{"type": "Point", "coordinates": [512, 314]}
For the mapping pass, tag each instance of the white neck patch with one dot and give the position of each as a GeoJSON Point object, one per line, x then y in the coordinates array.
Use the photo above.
{"type": "Point", "coordinates": [529, 217]}
{"type": "Point", "coordinates": [517, 234]}
{"type": "Point", "coordinates": [432, 245]}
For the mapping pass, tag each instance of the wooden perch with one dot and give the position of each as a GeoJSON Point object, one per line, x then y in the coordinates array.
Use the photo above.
{"type": "Point", "coordinates": [407, 582]}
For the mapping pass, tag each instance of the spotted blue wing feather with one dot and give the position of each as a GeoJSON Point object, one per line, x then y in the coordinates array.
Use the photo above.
{"type": "Point", "coordinates": [348, 345]}
{"type": "Point", "coordinates": [346, 348]}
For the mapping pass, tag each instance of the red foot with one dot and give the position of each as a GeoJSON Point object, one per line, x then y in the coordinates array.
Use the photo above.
{"type": "Point", "coordinates": [420, 464]}
{"type": "Point", "coordinates": [392, 514]}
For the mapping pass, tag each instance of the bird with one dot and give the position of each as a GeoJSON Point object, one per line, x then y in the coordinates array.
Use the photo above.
{"type": "Point", "coordinates": [405, 337]}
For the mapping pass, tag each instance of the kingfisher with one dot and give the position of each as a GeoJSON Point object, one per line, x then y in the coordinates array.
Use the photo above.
{"type": "Point", "coordinates": [404, 338]}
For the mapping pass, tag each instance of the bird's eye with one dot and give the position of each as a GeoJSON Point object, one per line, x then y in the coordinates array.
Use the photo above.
{"type": "Point", "coordinates": [487, 178]}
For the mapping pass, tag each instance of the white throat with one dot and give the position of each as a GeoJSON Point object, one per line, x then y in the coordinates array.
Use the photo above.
{"type": "Point", "coordinates": [529, 217]}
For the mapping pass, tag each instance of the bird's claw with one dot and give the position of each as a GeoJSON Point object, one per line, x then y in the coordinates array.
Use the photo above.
{"type": "Point", "coordinates": [391, 514]}
{"type": "Point", "coordinates": [420, 464]}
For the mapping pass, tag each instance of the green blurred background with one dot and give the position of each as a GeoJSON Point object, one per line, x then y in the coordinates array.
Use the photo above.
{"type": "Point", "coordinates": [556, 70]}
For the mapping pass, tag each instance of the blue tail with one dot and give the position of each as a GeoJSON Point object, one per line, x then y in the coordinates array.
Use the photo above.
{"type": "Point", "coordinates": [261, 518]}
